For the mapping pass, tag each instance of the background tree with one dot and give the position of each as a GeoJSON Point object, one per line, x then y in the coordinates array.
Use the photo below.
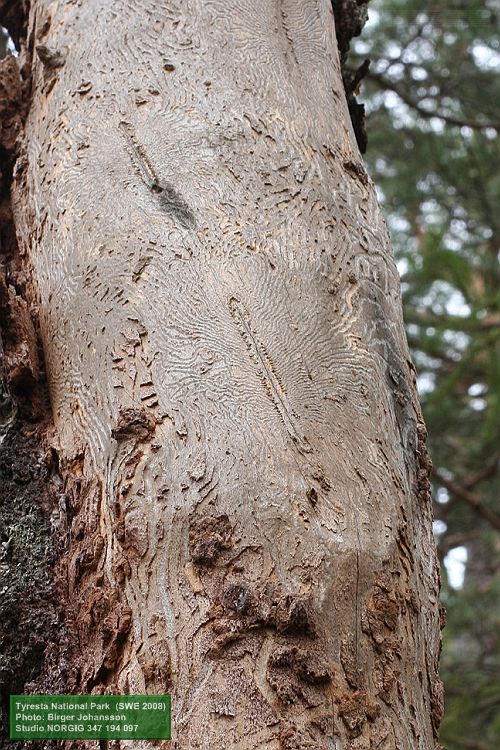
{"type": "Point", "coordinates": [434, 85]}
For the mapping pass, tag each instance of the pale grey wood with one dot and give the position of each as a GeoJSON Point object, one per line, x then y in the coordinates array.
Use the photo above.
{"type": "Point", "coordinates": [233, 400]}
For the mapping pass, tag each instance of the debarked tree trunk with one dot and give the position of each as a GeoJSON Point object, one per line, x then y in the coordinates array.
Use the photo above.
{"type": "Point", "coordinates": [243, 457]}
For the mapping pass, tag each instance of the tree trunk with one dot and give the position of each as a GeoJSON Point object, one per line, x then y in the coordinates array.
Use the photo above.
{"type": "Point", "coordinates": [245, 481]}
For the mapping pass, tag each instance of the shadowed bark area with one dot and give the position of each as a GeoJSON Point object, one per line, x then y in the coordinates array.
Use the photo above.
{"type": "Point", "coordinates": [240, 445]}
{"type": "Point", "coordinates": [29, 615]}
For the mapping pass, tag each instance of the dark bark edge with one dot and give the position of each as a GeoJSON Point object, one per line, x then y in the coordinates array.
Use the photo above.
{"type": "Point", "coordinates": [350, 18]}
{"type": "Point", "coordinates": [30, 617]}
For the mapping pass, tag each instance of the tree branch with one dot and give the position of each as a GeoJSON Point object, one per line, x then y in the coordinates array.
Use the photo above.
{"type": "Point", "coordinates": [449, 541]}
{"type": "Point", "coordinates": [453, 322]}
{"type": "Point", "coordinates": [388, 85]}
{"type": "Point", "coordinates": [488, 471]}
{"type": "Point", "coordinates": [463, 494]}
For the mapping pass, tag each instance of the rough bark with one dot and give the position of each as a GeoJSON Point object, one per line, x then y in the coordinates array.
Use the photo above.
{"type": "Point", "coordinates": [245, 481]}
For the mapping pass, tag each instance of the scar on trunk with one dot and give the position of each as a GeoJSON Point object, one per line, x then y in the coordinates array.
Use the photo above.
{"type": "Point", "coordinates": [267, 373]}
{"type": "Point", "coordinates": [167, 197]}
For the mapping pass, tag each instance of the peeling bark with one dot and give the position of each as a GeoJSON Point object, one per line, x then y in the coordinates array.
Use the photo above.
{"type": "Point", "coordinates": [241, 451]}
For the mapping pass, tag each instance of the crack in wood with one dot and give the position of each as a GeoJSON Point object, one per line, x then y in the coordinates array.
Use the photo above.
{"type": "Point", "coordinates": [286, 28]}
{"type": "Point", "coordinates": [267, 374]}
{"type": "Point", "coordinates": [167, 197]}
{"type": "Point", "coordinates": [140, 160]}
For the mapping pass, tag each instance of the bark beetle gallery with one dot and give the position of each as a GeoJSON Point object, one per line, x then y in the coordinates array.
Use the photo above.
{"type": "Point", "coordinates": [234, 458]}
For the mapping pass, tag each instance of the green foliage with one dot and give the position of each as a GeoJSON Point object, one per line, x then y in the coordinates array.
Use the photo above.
{"type": "Point", "coordinates": [470, 659]}
{"type": "Point", "coordinates": [433, 123]}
